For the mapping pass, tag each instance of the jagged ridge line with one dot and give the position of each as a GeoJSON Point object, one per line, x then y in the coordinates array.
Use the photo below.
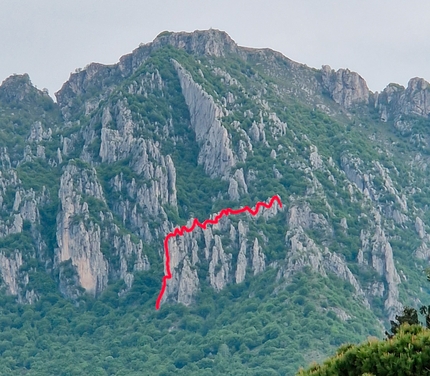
{"type": "Point", "coordinates": [180, 231]}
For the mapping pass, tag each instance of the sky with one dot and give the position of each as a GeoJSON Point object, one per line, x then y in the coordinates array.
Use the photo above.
{"type": "Point", "coordinates": [383, 40]}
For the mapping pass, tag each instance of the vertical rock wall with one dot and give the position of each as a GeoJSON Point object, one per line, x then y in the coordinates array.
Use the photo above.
{"type": "Point", "coordinates": [215, 154]}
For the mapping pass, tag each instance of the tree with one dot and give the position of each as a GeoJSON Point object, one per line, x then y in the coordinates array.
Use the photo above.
{"type": "Point", "coordinates": [406, 351]}
{"type": "Point", "coordinates": [410, 315]}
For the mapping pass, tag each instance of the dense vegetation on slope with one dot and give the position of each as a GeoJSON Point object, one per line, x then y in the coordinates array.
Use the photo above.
{"type": "Point", "coordinates": [231, 332]}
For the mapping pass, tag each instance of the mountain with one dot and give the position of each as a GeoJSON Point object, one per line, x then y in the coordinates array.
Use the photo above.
{"type": "Point", "coordinates": [182, 128]}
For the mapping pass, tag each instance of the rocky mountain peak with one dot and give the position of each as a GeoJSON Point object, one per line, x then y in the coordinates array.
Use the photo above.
{"type": "Point", "coordinates": [18, 88]}
{"type": "Point", "coordinates": [417, 94]}
{"type": "Point", "coordinates": [396, 101]}
{"type": "Point", "coordinates": [346, 88]}
{"type": "Point", "coordinates": [95, 77]}
{"type": "Point", "coordinates": [210, 42]}
{"type": "Point", "coordinates": [418, 83]}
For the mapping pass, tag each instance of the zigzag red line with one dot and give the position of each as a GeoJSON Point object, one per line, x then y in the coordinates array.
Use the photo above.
{"type": "Point", "coordinates": [180, 231]}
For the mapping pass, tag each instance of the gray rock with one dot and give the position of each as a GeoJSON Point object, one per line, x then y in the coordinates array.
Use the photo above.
{"type": "Point", "coordinates": [302, 216]}
{"type": "Point", "coordinates": [345, 87]}
{"type": "Point", "coordinates": [38, 133]}
{"type": "Point", "coordinates": [344, 223]}
{"type": "Point", "coordinates": [419, 227]}
{"type": "Point", "coordinates": [219, 266]}
{"type": "Point", "coordinates": [273, 154]}
{"type": "Point", "coordinates": [395, 101]}
{"type": "Point", "coordinates": [377, 252]}
{"type": "Point", "coordinates": [9, 269]}
{"type": "Point", "coordinates": [254, 132]}
{"type": "Point", "coordinates": [241, 263]}
{"type": "Point", "coordinates": [233, 190]}
{"type": "Point", "coordinates": [341, 314]}
{"type": "Point", "coordinates": [79, 241]}
{"type": "Point", "coordinates": [258, 258]}
{"type": "Point", "coordinates": [215, 154]}
{"type": "Point", "coordinates": [304, 252]}
{"type": "Point", "coordinates": [315, 158]}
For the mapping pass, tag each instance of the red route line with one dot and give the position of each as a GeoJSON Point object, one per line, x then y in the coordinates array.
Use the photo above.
{"type": "Point", "coordinates": [180, 231]}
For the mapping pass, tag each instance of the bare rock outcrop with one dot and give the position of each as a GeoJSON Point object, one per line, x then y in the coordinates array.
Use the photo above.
{"type": "Point", "coordinates": [423, 251]}
{"type": "Point", "coordinates": [301, 216]}
{"type": "Point", "coordinates": [376, 252]}
{"type": "Point", "coordinates": [219, 265]}
{"type": "Point", "coordinates": [258, 258]}
{"type": "Point", "coordinates": [395, 101]}
{"type": "Point", "coordinates": [25, 208]}
{"type": "Point", "coordinates": [38, 133]}
{"type": "Point", "coordinates": [241, 263]}
{"type": "Point", "coordinates": [216, 154]}
{"type": "Point", "coordinates": [214, 247]}
{"type": "Point", "coordinates": [138, 202]}
{"type": "Point", "coordinates": [9, 270]}
{"type": "Point", "coordinates": [184, 258]}
{"type": "Point", "coordinates": [79, 238]}
{"type": "Point", "coordinates": [352, 166]}
{"type": "Point", "coordinates": [237, 185]}
{"type": "Point", "coordinates": [128, 250]}
{"type": "Point", "coordinates": [315, 158]}
{"type": "Point", "coordinates": [346, 88]}
{"type": "Point", "coordinates": [303, 251]}
{"type": "Point", "coordinates": [18, 89]}
{"type": "Point", "coordinates": [209, 42]}
{"type": "Point", "coordinates": [84, 235]}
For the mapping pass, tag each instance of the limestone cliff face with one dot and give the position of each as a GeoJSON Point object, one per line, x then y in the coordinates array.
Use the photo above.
{"type": "Point", "coordinates": [376, 252]}
{"type": "Point", "coordinates": [215, 154]}
{"type": "Point", "coordinates": [25, 208]}
{"type": "Point", "coordinates": [212, 42]}
{"type": "Point", "coordinates": [395, 101]}
{"type": "Point", "coordinates": [20, 213]}
{"type": "Point", "coordinates": [423, 251]}
{"type": "Point", "coordinates": [353, 171]}
{"type": "Point", "coordinates": [81, 240]}
{"type": "Point", "coordinates": [78, 237]}
{"type": "Point", "coordinates": [18, 89]}
{"type": "Point", "coordinates": [92, 78]}
{"type": "Point", "coordinates": [346, 88]}
{"type": "Point", "coordinates": [9, 269]}
{"type": "Point", "coordinates": [126, 251]}
{"type": "Point", "coordinates": [137, 203]}
{"type": "Point", "coordinates": [237, 186]}
{"type": "Point", "coordinates": [302, 251]}
{"type": "Point", "coordinates": [228, 258]}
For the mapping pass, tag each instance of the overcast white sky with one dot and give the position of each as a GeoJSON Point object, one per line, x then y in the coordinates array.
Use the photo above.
{"type": "Point", "coordinates": [383, 40]}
